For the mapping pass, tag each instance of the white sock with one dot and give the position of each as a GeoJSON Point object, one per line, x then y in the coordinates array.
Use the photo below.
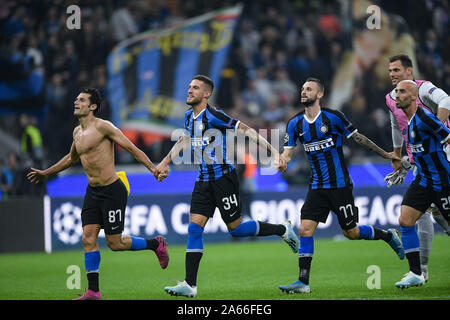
{"type": "Point", "coordinates": [425, 231]}
{"type": "Point", "coordinates": [442, 222]}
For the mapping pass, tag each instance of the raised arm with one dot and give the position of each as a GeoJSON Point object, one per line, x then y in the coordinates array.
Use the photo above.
{"type": "Point", "coordinates": [36, 175]}
{"type": "Point", "coordinates": [116, 135]}
{"type": "Point", "coordinates": [366, 143]}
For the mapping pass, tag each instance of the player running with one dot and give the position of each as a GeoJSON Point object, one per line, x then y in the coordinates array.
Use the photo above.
{"type": "Point", "coordinates": [106, 194]}
{"type": "Point", "coordinates": [437, 102]}
{"type": "Point", "coordinates": [426, 136]}
{"type": "Point", "coordinates": [217, 184]}
{"type": "Point", "coordinates": [321, 131]}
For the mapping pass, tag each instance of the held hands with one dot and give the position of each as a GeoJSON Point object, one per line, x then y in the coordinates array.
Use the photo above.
{"type": "Point", "coordinates": [161, 171]}
{"type": "Point", "coordinates": [280, 163]}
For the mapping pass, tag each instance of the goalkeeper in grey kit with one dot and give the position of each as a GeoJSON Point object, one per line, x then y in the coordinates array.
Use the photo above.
{"type": "Point", "coordinates": [436, 101]}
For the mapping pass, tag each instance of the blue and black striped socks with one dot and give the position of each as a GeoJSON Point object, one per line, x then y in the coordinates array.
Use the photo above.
{"type": "Point", "coordinates": [92, 266]}
{"type": "Point", "coordinates": [411, 244]}
{"type": "Point", "coordinates": [305, 255]}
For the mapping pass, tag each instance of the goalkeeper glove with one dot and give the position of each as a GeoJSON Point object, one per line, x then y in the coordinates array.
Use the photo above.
{"type": "Point", "coordinates": [447, 151]}
{"type": "Point", "coordinates": [397, 177]}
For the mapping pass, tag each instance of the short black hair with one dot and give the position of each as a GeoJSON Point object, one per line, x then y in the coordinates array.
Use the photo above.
{"type": "Point", "coordinates": [404, 59]}
{"type": "Point", "coordinates": [206, 80]}
{"type": "Point", "coordinates": [95, 97]}
{"type": "Point", "coordinates": [319, 83]}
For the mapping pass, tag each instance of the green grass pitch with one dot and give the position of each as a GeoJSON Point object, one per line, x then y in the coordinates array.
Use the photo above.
{"type": "Point", "coordinates": [236, 270]}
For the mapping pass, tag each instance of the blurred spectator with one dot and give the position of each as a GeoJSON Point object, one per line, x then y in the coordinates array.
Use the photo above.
{"type": "Point", "coordinates": [273, 112]}
{"type": "Point", "coordinates": [277, 45]}
{"type": "Point", "coordinates": [263, 85]}
{"type": "Point", "coordinates": [8, 176]}
{"type": "Point", "coordinates": [247, 170]}
{"type": "Point", "coordinates": [248, 37]}
{"type": "Point", "coordinates": [285, 90]}
{"type": "Point", "coordinates": [31, 142]}
{"type": "Point", "coordinates": [253, 99]}
{"type": "Point", "coordinates": [123, 23]}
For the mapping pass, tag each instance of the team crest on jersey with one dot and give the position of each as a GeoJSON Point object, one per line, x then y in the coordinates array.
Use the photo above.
{"type": "Point", "coordinates": [201, 126]}
{"type": "Point", "coordinates": [413, 134]}
{"type": "Point", "coordinates": [323, 129]}
{"type": "Point", "coordinates": [286, 138]}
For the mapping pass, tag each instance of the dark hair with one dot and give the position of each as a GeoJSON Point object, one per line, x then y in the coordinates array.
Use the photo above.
{"type": "Point", "coordinates": [319, 83]}
{"type": "Point", "coordinates": [206, 80]}
{"type": "Point", "coordinates": [405, 60]}
{"type": "Point", "coordinates": [94, 98]}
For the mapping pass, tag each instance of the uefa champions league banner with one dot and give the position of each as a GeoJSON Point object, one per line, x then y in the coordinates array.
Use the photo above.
{"type": "Point", "coordinates": [148, 75]}
{"type": "Point", "coordinates": [150, 215]}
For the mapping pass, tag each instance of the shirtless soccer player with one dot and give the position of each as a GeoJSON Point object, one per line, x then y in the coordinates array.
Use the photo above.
{"type": "Point", "coordinates": [106, 195]}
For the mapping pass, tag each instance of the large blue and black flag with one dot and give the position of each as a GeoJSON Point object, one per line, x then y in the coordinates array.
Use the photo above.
{"type": "Point", "coordinates": [148, 75]}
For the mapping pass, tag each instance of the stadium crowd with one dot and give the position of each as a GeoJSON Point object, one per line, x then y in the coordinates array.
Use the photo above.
{"type": "Point", "coordinates": [277, 45]}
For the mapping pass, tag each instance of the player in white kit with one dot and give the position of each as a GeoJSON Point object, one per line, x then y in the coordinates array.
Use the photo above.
{"type": "Point", "coordinates": [436, 101]}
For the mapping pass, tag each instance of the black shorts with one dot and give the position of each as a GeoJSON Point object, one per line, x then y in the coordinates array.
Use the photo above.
{"type": "Point", "coordinates": [421, 198]}
{"type": "Point", "coordinates": [105, 206]}
{"type": "Point", "coordinates": [222, 193]}
{"type": "Point", "coordinates": [319, 202]}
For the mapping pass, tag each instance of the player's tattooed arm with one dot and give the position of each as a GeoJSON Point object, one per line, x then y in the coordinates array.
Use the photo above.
{"type": "Point", "coordinates": [366, 143]}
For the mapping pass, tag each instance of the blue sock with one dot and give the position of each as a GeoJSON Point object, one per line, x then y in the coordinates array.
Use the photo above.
{"type": "Point", "coordinates": [245, 229]}
{"type": "Point", "coordinates": [410, 239]}
{"type": "Point", "coordinates": [366, 232]}
{"type": "Point", "coordinates": [306, 247]}
{"type": "Point", "coordinates": [138, 243]}
{"type": "Point", "coordinates": [92, 265]}
{"type": "Point", "coordinates": [195, 238]}
{"type": "Point", "coordinates": [194, 253]}
{"type": "Point", "coordinates": [92, 261]}
{"type": "Point", "coordinates": [305, 255]}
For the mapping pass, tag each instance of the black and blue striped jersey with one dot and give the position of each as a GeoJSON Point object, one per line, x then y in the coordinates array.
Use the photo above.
{"type": "Point", "coordinates": [426, 135]}
{"type": "Point", "coordinates": [209, 141]}
{"type": "Point", "coordinates": [322, 141]}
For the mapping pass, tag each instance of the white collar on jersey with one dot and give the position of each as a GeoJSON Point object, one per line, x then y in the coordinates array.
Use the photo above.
{"type": "Point", "coordinates": [409, 121]}
{"type": "Point", "coordinates": [312, 121]}
{"type": "Point", "coordinates": [195, 117]}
